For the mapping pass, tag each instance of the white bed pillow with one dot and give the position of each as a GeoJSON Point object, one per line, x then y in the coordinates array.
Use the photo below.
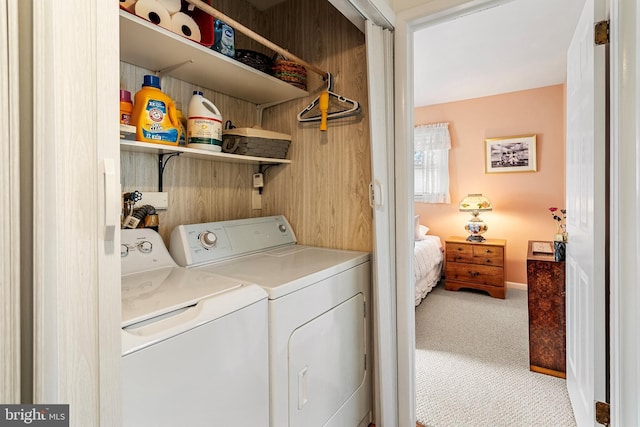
{"type": "Point", "coordinates": [420, 230]}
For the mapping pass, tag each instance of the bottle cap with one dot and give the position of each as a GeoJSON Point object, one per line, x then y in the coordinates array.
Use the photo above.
{"type": "Point", "coordinates": [151, 80]}
{"type": "Point", "coordinates": [125, 95]}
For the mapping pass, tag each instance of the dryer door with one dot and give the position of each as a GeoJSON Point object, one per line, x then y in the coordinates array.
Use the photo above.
{"type": "Point", "coordinates": [327, 367]}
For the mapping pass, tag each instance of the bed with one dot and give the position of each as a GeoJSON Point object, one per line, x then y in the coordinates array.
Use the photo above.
{"type": "Point", "coordinates": [427, 262]}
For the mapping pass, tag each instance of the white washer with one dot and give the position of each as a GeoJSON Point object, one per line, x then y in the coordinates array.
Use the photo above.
{"type": "Point", "coordinates": [194, 343]}
{"type": "Point", "coordinates": [318, 311]}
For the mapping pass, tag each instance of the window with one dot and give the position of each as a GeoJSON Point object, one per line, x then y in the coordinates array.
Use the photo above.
{"type": "Point", "coordinates": [431, 163]}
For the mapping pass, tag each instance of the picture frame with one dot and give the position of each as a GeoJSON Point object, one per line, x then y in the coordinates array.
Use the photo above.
{"type": "Point", "coordinates": [510, 154]}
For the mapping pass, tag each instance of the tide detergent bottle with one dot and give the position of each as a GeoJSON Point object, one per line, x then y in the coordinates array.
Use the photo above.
{"type": "Point", "coordinates": [154, 114]}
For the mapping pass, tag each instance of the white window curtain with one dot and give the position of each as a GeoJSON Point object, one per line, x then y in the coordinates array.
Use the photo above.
{"type": "Point", "coordinates": [431, 163]}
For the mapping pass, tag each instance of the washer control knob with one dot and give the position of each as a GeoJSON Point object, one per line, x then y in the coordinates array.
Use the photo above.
{"type": "Point", "coordinates": [208, 239]}
{"type": "Point", "coordinates": [283, 228]}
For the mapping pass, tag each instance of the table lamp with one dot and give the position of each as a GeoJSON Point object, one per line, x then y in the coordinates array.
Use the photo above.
{"type": "Point", "coordinates": [475, 203]}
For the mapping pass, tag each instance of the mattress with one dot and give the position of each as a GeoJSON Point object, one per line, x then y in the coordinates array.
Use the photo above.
{"type": "Point", "coordinates": [427, 264]}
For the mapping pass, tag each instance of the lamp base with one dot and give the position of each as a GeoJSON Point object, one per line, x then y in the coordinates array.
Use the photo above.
{"type": "Point", "coordinates": [475, 238]}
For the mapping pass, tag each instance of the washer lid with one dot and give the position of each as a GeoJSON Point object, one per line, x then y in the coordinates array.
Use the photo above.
{"type": "Point", "coordinates": [152, 293]}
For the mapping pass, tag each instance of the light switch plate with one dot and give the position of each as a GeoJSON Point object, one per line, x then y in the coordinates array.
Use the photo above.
{"type": "Point", "coordinates": [159, 201]}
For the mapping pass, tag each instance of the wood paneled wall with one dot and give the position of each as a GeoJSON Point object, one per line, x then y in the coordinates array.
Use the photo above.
{"type": "Point", "coordinates": [324, 191]}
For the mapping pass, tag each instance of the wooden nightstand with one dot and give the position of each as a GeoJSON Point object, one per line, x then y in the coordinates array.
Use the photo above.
{"type": "Point", "coordinates": [547, 324]}
{"type": "Point", "coordinates": [475, 265]}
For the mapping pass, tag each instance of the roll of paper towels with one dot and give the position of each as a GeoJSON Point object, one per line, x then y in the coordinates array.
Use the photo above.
{"type": "Point", "coordinates": [183, 24]}
{"type": "Point", "coordinates": [128, 4]}
{"type": "Point", "coordinates": [173, 6]}
{"type": "Point", "coordinates": [152, 10]}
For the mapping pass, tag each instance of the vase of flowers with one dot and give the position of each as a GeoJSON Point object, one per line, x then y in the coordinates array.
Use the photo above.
{"type": "Point", "coordinates": [560, 240]}
{"type": "Point", "coordinates": [560, 216]}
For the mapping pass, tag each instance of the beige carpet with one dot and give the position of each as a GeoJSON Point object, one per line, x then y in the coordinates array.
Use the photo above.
{"type": "Point", "coordinates": [472, 365]}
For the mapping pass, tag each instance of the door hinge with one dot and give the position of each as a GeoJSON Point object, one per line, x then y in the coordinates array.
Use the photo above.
{"type": "Point", "coordinates": [602, 413]}
{"type": "Point", "coordinates": [601, 33]}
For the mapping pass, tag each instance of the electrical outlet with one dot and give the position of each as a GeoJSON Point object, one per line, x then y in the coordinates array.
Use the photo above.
{"type": "Point", "coordinates": [256, 199]}
{"type": "Point", "coordinates": [258, 180]}
{"type": "Point", "coordinates": [157, 200]}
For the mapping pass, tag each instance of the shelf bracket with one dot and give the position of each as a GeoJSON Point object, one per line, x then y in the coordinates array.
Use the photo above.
{"type": "Point", "coordinates": [167, 70]}
{"type": "Point", "coordinates": [261, 107]}
{"type": "Point", "coordinates": [162, 163]}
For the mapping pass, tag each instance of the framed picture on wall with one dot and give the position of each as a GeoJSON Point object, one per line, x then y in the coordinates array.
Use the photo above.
{"type": "Point", "coordinates": [510, 154]}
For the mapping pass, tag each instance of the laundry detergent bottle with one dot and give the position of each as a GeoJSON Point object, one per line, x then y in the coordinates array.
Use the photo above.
{"type": "Point", "coordinates": [154, 114]}
{"type": "Point", "coordinates": [204, 124]}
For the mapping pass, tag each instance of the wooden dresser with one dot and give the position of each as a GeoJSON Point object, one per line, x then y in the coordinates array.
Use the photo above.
{"type": "Point", "coordinates": [547, 324]}
{"type": "Point", "coordinates": [475, 265]}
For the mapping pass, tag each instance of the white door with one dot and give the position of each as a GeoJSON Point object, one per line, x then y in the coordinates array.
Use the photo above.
{"type": "Point", "coordinates": [586, 214]}
{"type": "Point", "coordinates": [72, 108]}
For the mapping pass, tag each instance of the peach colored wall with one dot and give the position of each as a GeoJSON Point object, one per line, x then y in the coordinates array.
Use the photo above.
{"type": "Point", "coordinates": [520, 200]}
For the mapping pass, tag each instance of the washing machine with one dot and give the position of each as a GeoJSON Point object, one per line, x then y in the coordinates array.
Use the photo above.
{"type": "Point", "coordinates": [194, 343]}
{"type": "Point", "coordinates": [319, 305]}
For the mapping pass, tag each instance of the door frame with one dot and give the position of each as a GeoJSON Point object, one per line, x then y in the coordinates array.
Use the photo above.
{"type": "Point", "coordinates": [407, 22]}
{"type": "Point", "coordinates": [625, 249]}
{"type": "Point", "coordinates": [625, 202]}
{"type": "Point", "coordinates": [10, 266]}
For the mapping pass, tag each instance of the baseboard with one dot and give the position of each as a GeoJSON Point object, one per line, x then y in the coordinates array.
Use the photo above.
{"type": "Point", "coordinates": [516, 285]}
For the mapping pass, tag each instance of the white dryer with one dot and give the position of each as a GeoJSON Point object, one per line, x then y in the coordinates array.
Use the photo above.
{"type": "Point", "coordinates": [194, 343]}
{"type": "Point", "coordinates": [319, 333]}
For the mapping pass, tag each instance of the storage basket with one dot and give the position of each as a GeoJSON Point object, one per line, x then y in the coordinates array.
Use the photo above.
{"type": "Point", "coordinates": [255, 142]}
{"type": "Point", "coordinates": [290, 72]}
{"type": "Point", "coordinates": [254, 59]}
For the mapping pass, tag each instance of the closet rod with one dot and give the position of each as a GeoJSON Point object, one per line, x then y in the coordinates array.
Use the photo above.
{"type": "Point", "coordinates": [255, 36]}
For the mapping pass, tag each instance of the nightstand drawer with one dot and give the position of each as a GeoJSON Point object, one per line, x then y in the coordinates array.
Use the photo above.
{"type": "Point", "coordinates": [459, 252]}
{"type": "Point", "coordinates": [488, 255]}
{"type": "Point", "coordinates": [474, 273]}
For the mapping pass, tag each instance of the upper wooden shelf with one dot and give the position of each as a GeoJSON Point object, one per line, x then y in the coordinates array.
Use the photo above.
{"type": "Point", "coordinates": [147, 147]}
{"type": "Point", "coordinates": [147, 45]}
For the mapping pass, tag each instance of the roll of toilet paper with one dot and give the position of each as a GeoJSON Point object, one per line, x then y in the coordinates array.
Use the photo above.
{"type": "Point", "coordinates": [173, 6]}
{"type": "Point", "coordinates": [128, 4]}
{"type": "Point", "coordinates": [183, 24]}
{"type": "Point", "coordinates": [152, 10]}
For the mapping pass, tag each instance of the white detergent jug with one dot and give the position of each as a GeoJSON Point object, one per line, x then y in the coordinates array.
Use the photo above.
{"type": "Point", "coordinates": [204, 124]}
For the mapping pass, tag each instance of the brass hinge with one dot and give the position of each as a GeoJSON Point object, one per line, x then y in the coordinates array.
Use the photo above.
{"type": "Point", "coordinates": [602, 413]}
{"type": "Point", "coordinates": [601, 34]}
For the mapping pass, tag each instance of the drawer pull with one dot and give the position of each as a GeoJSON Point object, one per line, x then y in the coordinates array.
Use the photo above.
{"type": "Point", "coordinates": [458, 258]}
{"type": "Point", "coordinates": [459, 249]}
{"type": "Point", "coordinates": [488, 251]}
{"type": "Point", "coordinates": [473, 274]}
{"type": "Point", "coordinates": [488, 261]}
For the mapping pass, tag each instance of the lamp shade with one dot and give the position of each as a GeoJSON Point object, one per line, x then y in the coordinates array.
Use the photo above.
{"type": "Point", "coordinates": [475, 202]}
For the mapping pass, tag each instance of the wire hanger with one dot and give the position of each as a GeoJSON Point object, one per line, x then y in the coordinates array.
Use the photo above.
{"type": "Point", "coordinates": [348, 107]}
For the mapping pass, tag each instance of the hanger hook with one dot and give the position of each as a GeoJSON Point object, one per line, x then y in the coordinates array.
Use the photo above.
{"type": "Point", "coordinates": [330, 80]}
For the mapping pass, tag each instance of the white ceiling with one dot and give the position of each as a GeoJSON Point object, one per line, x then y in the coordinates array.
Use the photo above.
{"type": "Point", "coordinates": [515, 46]}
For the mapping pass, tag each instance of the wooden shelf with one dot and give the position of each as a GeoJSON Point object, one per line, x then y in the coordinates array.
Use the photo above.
{"type": "Point", "coordinates": [147, 45]}
{"type": "Point", "coordinates": [147, 147]}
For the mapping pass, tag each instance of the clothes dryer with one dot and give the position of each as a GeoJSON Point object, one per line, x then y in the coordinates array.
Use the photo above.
{"type": "Point", "coordinates": [319, 304]}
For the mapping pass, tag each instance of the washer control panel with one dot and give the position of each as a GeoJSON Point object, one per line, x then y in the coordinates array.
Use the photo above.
{"type": "Point", "coordinates": [197, 244]}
